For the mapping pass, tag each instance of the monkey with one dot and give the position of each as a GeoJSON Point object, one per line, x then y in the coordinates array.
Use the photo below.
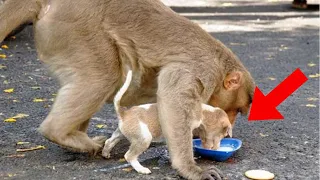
{"type": "Point", "coordinates": [140, 125]}
{"type": "Point", "coordinates": [87, 44]}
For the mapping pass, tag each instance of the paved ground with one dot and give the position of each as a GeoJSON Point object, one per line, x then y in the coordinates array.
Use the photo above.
{"type": "Point", "coordinates": [270, 38]}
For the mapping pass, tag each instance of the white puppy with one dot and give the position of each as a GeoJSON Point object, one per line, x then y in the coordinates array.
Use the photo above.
{"type": "Point", "coordinates": [140, 125]}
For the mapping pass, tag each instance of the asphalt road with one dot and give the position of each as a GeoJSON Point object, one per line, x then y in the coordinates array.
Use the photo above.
{"type": "Point", "coordinates": [270, 38]}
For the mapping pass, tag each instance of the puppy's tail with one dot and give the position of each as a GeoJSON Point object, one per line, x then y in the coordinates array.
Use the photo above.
{"type": "Point", "coordinates": [16, 12]}
{"type": "Point", "coordinates": [121, 92]}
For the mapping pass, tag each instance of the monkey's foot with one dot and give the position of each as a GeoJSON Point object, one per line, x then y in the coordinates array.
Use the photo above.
{"type": "Point", "coordinates": [100, 140]}
{"type": "Point", "coordinates": [212, 173]}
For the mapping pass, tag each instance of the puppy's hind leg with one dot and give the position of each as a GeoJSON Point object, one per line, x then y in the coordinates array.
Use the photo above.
{"type": "Point", "coordinates": [137, 147]}
{"type": "Point", "coordinates": [116, 137]}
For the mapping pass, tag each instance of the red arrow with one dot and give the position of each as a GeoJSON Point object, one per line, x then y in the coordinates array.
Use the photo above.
{"type": "Point", "coordinates": [264, 107]}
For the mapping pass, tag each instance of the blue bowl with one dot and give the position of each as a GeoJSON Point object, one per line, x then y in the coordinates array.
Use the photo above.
{"type": "Point", "coordinates": [216, 155]}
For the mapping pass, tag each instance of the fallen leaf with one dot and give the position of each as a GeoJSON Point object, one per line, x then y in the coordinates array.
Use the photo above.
{"type": "Point", "coordinates": [127, 169]}
{"type": "Point", "coordinates": [36, 87]}
{"type": "Point", "coordinates": [3, 56]}
{"type": "Point", "coordinates": [314, 75]}
{"type": "Point", "coordinates": [237, 44]}
{"type": "Point", "coordinates": [100, 126]}
{"type": "Point", "coordinates": [10, 120]}
{"type": "Point", "coordinates": [31, 149]}
{"type": "Point", "coordinates": [227, 4]}
{"type": "Point", "coordinates": [4, 46]}
{"type": "Point", "coordinates": [311, 64]}
{"type": "Point", "coordinates": [5, 82]}
{"type": "Point", "coordinates": [122, 160]}
{"type": "Point", "coordinates": [263, 135]}
{"type": "Point", "coordinates": [312, 99]}
{"type": "Point", "coordinates": [54, 94]}
{"type": "Point", "coordinates": [20, 116]}
{"type": "Point", "coordinates": [272, 78]}
{"type": "Point", "coordinates": [38, 100]}
{"type": "Point", "coordinates": [9, 90]}
{"type": "Point", "coordinates": [2, 66]}
{"type": "Point", "coordinates": [310, 105]}
{"type": "Point", "coordinates": [21, 143]}
{"type": "Point", "coordinates": [16, 155]}
{"type": "Point", "coordinates": [15, 100]}
{"type": "Point", "coordinates": [11, 175]}
{"type": "Point", "coordinates": [13, 37]}
{"type": "Point", "coordinates": [156, 168]}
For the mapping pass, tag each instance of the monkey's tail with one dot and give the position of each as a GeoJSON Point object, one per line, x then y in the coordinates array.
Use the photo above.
{"type": "Point", "coordinates": [16, 12]}
{"type": "Point", "coordinates": [121, 92]}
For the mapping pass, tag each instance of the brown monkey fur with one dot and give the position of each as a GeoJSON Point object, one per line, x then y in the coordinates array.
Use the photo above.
{"type": "Point", "coordinates": [176, 63]}
{"type": "Point", "coordinates": [140, 125]}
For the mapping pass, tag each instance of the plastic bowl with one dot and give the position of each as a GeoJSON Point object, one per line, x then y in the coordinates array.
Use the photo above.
{"type": "Point", "coordinates": [218, 155]}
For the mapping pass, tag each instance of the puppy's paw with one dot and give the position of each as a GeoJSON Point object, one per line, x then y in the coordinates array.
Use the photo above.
{"type": "Point", "coordinates": [105, 154]}
{"type": "Point", "coordinates": [143, 170]}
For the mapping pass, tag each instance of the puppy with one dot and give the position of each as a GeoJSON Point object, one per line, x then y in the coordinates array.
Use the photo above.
{"type": "Point", "coordinates": [140, 125]}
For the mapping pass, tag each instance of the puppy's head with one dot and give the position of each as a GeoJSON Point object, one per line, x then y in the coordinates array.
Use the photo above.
{"type": "Point", "coordinates": [215, 126]}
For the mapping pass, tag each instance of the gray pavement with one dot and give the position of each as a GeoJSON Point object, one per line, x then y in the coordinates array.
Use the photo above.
{"type": "Point", "coordinates": [270, 38]}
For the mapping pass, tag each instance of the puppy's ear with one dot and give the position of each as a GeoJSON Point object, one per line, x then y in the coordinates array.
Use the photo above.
{"type": "Point", "coordinates": [232, 80]}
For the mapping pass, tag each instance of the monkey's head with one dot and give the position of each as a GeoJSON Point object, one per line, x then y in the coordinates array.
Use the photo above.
{"type": "Point", "coordinates": [215, 126]}
{"type": "Point", "coordinates": [234, 94]}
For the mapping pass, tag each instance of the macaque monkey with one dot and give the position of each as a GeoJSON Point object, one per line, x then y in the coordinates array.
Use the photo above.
{"type": "Point", "coordinates": [140, 125]}
{"type": "Point", "coordinates": [87, 44]}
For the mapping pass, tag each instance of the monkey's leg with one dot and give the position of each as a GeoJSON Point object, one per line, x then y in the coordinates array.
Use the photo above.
{"type": "Point", "coordinates": [84, 126]}
{"type": "Point", "coordinates": [116, 137]}
{"type": "Point", "coordinates": [179, 104]}
{"type": "Point", "coordinates": [76, 102]}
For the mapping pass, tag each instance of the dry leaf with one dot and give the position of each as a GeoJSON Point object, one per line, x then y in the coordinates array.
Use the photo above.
{"type": "Point", "coordinates": [9, 90]}
{"type": "Point", "coordinates": [2, 66]}
{"type": "Point", "coordinates": [4, 47]}
{"type": "Point", "coordinates": [31, 149]}
{"type": "Point", "coordinates": [127, 169]}
{"type": "Point", "coordinates": [100, 126]}
{"type": "Point", "coordinates": [11, 175]}
{"type": "Point", "coordinates": [3, 56]}
{"type": "Point", "coordinates": [10, 120]}
{"type": "Point", "coordinates": [237, 44]}
{"type": "Point", "coordinates": [36, 87]}
{"type": "Point", "coordinates": [263, 135]}
{"type": "Point", "coordinates": [15, 100]}
{"type": "Point", "coordinates": [313, 99]}
{"type": "Point", "coordinates": [5, 82]}
{"type": "Point", "coordinates": [13, 37]}
{"type": "Point", "coordinates": [21, 143]}
{"type": "Point", "coordinates": [38, 100]}
{"type": "Point", "coordinates": [310, 105]}
{"type": "Point", "coordinates": [314, 75]}
{"type": "Point", "coordinates": [122, 160]}
{"type": "Point", "coordinates": [54, 94]}
{"type": "Point", "coordinates": [311, 64]}
{"type": "Point", "coordinates": [16, 155]}
{"type": "Point", "coordinates": [227, 4]}
{"type": "Point", "coordinates": [20, 116]}
{"type": "Point", "coordinates": [272, 78]}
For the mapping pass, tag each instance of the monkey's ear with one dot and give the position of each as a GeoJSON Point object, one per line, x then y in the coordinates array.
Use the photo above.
{"type": "Point", "coordinates": [232, 81]}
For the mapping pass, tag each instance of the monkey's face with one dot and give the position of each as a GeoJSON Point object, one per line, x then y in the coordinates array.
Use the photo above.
{"type": "Point", "coordinates": [234, 96]}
